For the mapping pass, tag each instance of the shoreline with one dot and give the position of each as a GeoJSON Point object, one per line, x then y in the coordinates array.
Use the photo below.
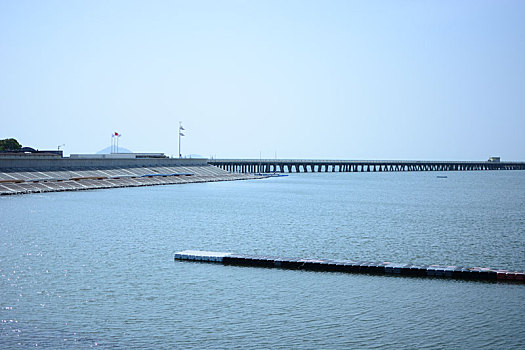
{"type": "Point", "coordinates": [27, 182]}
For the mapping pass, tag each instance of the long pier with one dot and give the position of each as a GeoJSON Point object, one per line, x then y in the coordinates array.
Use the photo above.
{"type": "Point", "coordinates": [303, 165]}
{"type": "Point", "coordinates": [349, 266]}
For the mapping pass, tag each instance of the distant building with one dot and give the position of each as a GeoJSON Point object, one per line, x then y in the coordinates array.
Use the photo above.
{"type": "Point", "coordinates": [119, 156]}
{"type": "Point", "coordinates": [31, 152]}
{"type": "Point", "coordinates": [494, 159]}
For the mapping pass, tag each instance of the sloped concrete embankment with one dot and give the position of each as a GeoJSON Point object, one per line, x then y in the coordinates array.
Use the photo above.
{"type": "Point", "coordinates": [30, 180]}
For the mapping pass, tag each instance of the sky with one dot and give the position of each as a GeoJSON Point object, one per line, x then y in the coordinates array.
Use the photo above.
{"type": "Point", "coordinates": [407, 79]}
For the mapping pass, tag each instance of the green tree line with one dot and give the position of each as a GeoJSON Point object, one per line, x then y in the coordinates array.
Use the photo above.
{"type": "Point", "coordinates": [9, 145]}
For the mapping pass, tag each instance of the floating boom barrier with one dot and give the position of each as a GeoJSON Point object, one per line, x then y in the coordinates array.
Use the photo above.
{"type": "Point", "coordinates": [348, 266]}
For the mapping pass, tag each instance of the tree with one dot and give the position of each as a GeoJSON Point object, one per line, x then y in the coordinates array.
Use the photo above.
{"type": "Point", "coordinates": [9, 145]}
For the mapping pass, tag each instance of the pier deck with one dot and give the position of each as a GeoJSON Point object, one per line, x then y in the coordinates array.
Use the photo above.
{"type": "Point", "coordinates": [305, 165]}
{"type": "Point", "coordinates": [349, 266]}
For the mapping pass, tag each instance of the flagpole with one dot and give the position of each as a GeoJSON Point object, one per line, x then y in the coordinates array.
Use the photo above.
{"type": "Point", "coordinates": [114, 143]}
{"type": "Point", "coordinates": [180, 135]}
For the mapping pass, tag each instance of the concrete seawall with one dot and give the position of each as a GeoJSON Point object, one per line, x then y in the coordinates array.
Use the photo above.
{"type": "Point", "coordinates": [50, 163]}
{"type": "Point", "coordinates": [21, 175]}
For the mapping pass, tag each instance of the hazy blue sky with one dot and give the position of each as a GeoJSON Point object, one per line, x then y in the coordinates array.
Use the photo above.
{"type": "Point", "coordinates": [300, 79]}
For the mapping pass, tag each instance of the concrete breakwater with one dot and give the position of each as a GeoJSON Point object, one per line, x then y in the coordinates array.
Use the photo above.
{"type": "Point", "coordinates": [27, 180]}
{"type": "Point", "coordinates": [348, 266]}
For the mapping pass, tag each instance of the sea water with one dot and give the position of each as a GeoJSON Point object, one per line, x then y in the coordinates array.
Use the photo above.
{"type": "Point", "coordinates": [95, 268]}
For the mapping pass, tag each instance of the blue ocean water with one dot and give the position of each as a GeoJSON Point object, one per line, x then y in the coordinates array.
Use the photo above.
{"type": "Point", "coordinates": [96, 269]}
